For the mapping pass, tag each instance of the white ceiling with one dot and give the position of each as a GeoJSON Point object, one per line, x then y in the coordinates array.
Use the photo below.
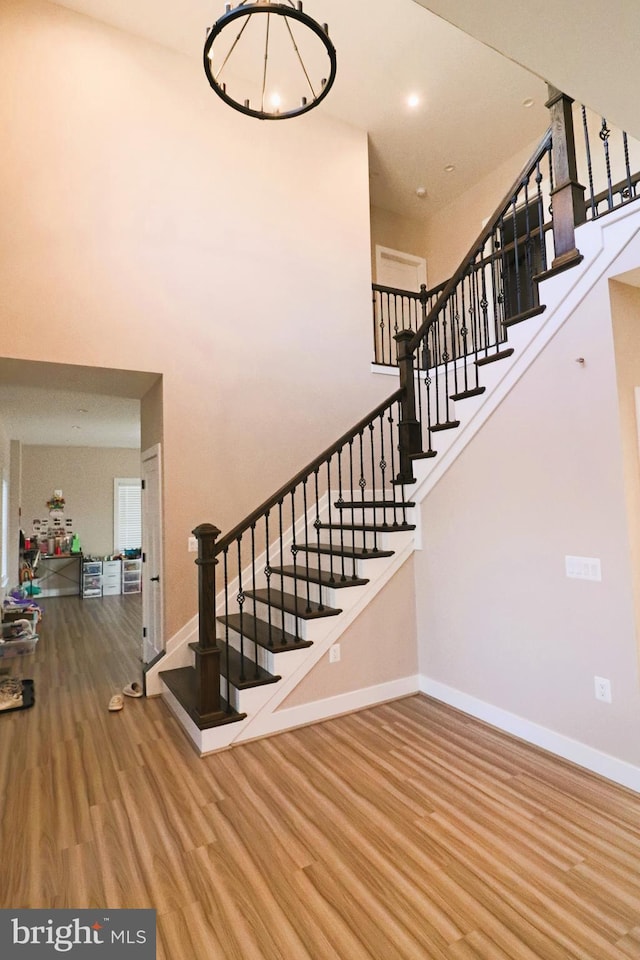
{"type": "Point", "coordinates": [62, 405]}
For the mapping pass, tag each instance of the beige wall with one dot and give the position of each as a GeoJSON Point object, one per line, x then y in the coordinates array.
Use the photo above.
{"type": "Point", "coordinates": [451, 231]}
{"type": "Point", "coordinates": [146, 226]}
{"type": "Point", "coordinates": [543, 479]}
{"type": "Point", "coordinates": [85, 475]}
{"type": "Point", "coordinates": [378, 647]}
{"type": "Point", "coordinates": [625, 312]}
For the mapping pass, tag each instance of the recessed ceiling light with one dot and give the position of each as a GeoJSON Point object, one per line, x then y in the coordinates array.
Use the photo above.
{"type": "Point", "coordinates": [75, 427]}
{"type": "Point", "coordinates": [528, 102]}
{"type": "Point", "coordinates": [421, 192]}
{"type": "Point", "coordinates": [449, 168]}
{"type": "Point", "coordinates": [413, 100]}
{"type": "Point", "coordinates": [82, 410]}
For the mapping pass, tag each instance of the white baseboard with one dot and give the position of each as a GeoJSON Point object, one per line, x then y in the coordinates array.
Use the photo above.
{"type": "Point", "coordinates": [619, 771]}
{"type": "Point", "coordinates": [307, 713]}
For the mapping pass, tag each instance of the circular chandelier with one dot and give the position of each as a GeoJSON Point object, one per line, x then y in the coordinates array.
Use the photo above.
{"type": "Point", "coordinates": [269, 60]}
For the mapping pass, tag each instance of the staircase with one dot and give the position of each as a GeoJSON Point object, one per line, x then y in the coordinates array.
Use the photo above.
{"type": "Point", "coordinates": [277, 592]}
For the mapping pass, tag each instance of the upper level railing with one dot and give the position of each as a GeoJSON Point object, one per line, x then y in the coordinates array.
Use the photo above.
{"type": "Point", "coordinates": [533, 231]}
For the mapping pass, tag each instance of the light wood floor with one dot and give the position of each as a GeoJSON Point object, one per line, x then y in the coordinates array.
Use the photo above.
{"type": "Point", "coordinates": [404, 831]}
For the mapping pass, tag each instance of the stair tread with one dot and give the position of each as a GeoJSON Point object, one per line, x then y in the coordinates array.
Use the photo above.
{"type": "Point", "coordinates": [492, 357]}
{"type": "Point", "coordinates": [425, 455]}
{"type": "Point", "coordinates": [297, 606]}
{"type": "Point", "coordinates": [447, 425]}
{"type": "Point", "coordinates": [373, 504]}
{"type": "Point", "coordinates": [322, 577]}
{"type": "Point", "coordinates": [182, 684]}
{"type": "Point", "coordinates": [465, 394]}
{"type": "Point", "coordinates": [257, 630]}
{"type": "Point", "coordinates": [351, 553]}
{"type": "Point", "coordinates": [525, 315]}
{"type": "Point", "coordinates": [242, 667]}
{"type": "Point", "coordinates": [368, 527]}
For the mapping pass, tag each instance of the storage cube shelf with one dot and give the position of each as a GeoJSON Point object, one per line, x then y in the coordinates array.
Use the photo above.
{"type": "Point", "coordinates": [92, 578]}
{"type": "Point", "coordinates": [131, 576]}
{"type": "Point", "coordinates": [111, 577]}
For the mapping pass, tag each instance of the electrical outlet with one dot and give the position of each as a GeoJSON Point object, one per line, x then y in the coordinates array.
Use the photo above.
{"type": "Point", "coordinates": [603, 689]}
{"type": "Point", "coordinates": [334, 653]}
{"type": "Point", "coordinates": [193, 544]}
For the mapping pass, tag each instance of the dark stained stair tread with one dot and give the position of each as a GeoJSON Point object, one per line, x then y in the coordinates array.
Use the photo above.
{"type": "Point", "coordinates": [424, 455]}
{"type": "Point", "coordinates": [373, 504]}
{"type": "Point", "coordinates": [521, 317]}
{"type": "Point", "coordinates": [447, 425]}
{"type": "Point", "coordinates": [297, 606]}
{"type": "Point", "coordinates": [351, 553]}
{"type": "Point", "coordinates": [239, 666]}
{"type": "Point", "coordinates": [368, 527]}
{"type": "Point", "coordinates": [322, 577]}
{"type": "Point", "coordinates": [465, 394]}
{"type": "Point", "coordinates": [182, 684]}
{"type": "Point", "coordinates": [492, 357]}
{"type": "Point", "coordinates": [252, 628]}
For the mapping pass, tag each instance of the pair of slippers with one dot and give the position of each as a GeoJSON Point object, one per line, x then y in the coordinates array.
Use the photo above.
{"type": "Point", "coordinates": [131, 690]}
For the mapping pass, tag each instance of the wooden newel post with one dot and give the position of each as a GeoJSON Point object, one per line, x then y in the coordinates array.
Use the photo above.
{"type": "Point", "coordinates": [207, 652]}
{"type": "Point", "coordinates": [567, 196]}
{"type": "Point", "coordinates": [409, 427]}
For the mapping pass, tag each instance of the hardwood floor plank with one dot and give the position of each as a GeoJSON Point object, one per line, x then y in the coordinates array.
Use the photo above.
{"type": "Point", "coordinates": [408, 831]}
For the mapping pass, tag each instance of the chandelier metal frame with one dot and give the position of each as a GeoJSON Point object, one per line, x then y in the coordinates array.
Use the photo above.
{"type": "Point", "coordinates": [293, 11]}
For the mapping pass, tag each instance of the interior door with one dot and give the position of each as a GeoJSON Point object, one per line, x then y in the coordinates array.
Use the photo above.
{"type": "Point", "coordinates": [400, 270]}
{"type": "Point", "coordinates": [152, 574]}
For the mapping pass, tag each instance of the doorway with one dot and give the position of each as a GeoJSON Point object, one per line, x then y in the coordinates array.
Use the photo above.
{"type": "Point", "coordinates": [74, 429]}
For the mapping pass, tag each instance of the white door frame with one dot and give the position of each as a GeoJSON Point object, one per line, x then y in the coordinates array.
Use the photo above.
{"type": "Point", "coordinates": [152, 521]}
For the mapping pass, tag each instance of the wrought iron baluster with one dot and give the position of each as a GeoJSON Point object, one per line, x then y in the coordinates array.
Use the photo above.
{"type": "Point", "coordinates": [393, 441]}
{"type": "Point", "coordinates": [343, 575]}
{"type": "Point", "coordinates": [587, 143]}
{"type": "Point", "coordinates": [281, 550]}
{"type": "Point", "coordinates": [528, 245]}
{"type": "Point", "coordinates": [253, 584]}
{"type": "Point", "coordinates": [604, 135]}
{"type": "Point", "coordinates": [294, 552]}
{"type": "Point", "coordinates": [362, 482]}
{"type": "Point", "coordinates": [240, 599]}
{"type": "Point", "coordinates": [353, 501]}
{"type": "Point", "coordinates": [627, 193]}
{"type": "Point", "coordinates": [331, 534]}
{"type": "Point", "coordinates": [540, 212]}
{"type": "Point", "coordinates": [383, 467]}
{"type": "Point", "coordinates": [267, 573]}
{"type": "Point", "coordinates": [305, 506]}
{"type": "Point", "coordinates": [475, 313]}
{"type": "Point", "coordinates": [225, 565]}
{"type": "Point", "coordinates": [373, 490]}
{"type": "Point", "coordinates": [516, 256]}
{"type": "Point", "coordinates": [484, 306]}
{"type": "Point", "coordinates": [317, 520]}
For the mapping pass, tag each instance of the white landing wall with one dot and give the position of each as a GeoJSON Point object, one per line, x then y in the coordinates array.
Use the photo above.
{"type": "Point", "coordinates": [502, 632]}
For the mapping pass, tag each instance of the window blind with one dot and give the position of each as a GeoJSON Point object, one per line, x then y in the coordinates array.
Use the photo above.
{"type": "Point", "coordinates": [127, 513]}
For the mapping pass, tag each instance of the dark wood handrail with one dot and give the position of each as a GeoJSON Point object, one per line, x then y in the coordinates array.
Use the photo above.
{"type": "Point", "coordinates": [303, 474]}
{"type": "Point", "coordinates": [408, 293]}
{"type": "Point", "coordinates": [479, 242]}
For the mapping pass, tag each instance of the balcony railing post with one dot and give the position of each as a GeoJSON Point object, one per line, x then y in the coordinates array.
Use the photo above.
{"type": "Point", "coordinates": [207, 652]}
{"type": "Point", "coordinates": [410, 441]}
{"type": "Point", "coordinates": [567, 196]}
